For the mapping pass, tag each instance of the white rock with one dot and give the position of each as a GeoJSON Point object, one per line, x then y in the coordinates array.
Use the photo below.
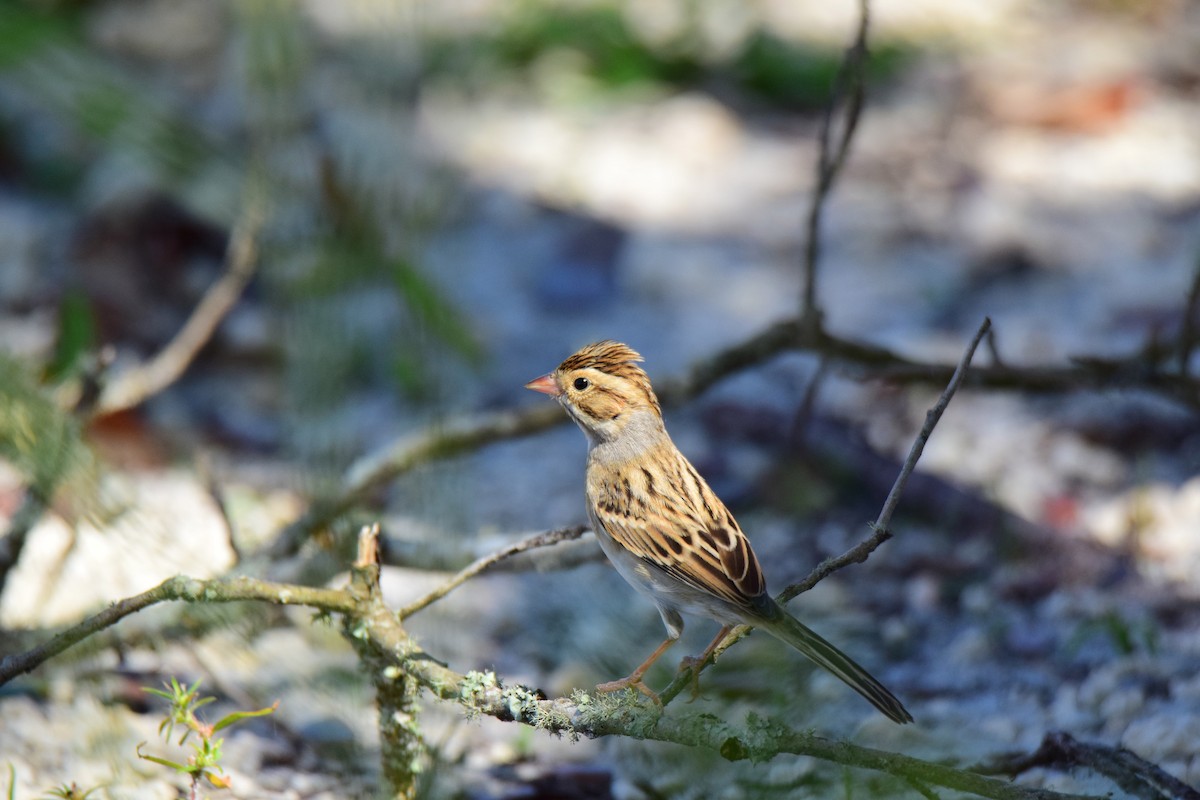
{"type": "Point", "coordinates": [155, 525]}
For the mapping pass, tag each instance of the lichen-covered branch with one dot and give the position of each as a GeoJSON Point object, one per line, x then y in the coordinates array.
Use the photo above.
{"type": "Point", "coordinates": [380, 631]}
{"type": "Point", "coordinates": [399, 667]}
{"type": "Point", "coordinates": [219, 590]}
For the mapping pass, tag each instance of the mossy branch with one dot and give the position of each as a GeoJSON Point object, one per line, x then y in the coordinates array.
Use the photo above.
{"type": "Point", "coordinates": [399, 667]}
{"type": "Point", "coordinates": [180, 587]}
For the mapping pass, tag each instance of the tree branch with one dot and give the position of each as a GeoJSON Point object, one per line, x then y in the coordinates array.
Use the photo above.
{"type": "Point", "coordinates": [133, 387]}
{"type": "Point", "coordinates": [539, 540]}
{"type": "Point", "coordinates": [932, 417]}
{"type": "Point", "coordinates": [624, 715]}
{"type": "Point", "coordinates": [471, 432]}
{"type": "Point", "coordinates": [880, 529]}
{"type": "Point", "coordinates": [1134, 774]}
{"type": "Point", "coordinates": [399, 667]}
{"type": "Point", "coordinates": [851, 85]}
{"type": "Point", "coordinates": [220, 590]}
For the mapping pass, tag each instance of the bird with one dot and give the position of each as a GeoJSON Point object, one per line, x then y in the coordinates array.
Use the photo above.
{"type": "Point", "coordinates": [663, 528]}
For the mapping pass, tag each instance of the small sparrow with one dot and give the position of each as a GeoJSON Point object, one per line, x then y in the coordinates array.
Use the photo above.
{"type": "Point", "coordinates": [664, 530]}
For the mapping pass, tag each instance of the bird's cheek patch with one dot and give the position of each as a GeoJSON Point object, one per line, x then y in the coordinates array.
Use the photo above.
{"type": "Point", "coordinates": [602, 406]}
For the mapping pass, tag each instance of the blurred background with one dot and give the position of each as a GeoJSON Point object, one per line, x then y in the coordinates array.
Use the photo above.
{"type": "Point", "coordinates": [447, 199]}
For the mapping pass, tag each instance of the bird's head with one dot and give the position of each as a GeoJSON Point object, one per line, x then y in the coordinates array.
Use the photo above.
{"type": "Point", "coordinates": [603, 389]}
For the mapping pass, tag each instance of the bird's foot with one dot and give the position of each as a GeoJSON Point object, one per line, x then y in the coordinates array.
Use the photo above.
{"type": "Point", "coordinates": [694, 664]}
{"type": "Point", "coordinates": [633, 681]}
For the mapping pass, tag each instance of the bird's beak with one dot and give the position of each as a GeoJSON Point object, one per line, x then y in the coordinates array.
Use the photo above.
{"type": "Point", "coordinates": [547, 384]}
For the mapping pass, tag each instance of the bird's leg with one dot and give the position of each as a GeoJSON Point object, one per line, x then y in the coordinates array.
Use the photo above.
{"type": "Point", "coordinates": [634, 678]}
{"type": "Point", "coordinates": [696, 663]}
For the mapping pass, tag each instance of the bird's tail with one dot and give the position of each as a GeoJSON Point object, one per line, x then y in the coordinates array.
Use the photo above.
{"type": "Point", "coordinates": [787, 628]}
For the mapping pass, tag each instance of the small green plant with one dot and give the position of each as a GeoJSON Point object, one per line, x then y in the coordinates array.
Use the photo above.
{"type": "Point", "coordinates": [69, 791]}
{"type": "Point", "coordinates": [204, 764]}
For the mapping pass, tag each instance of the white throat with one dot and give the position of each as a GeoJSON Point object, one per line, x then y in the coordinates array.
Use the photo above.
{"type": "Point", "coordinates": [641, 431]}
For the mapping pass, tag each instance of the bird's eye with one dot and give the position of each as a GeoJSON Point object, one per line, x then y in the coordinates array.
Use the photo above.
{"type": "Point", "coordinates": [581, 384]}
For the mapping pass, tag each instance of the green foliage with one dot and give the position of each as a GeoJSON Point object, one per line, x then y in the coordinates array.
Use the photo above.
{"type": "Point", "coordinates": [29, 30]}
{"type": "Point", "coordinates": [615, 57]}
{"type": "Point", "coordinates": [802, 77]}
{"type": "Point", "coordinates": [611, 55]}
{"type": "Point", "coordinates": [204, 764]}
{"type": "Point", "coordinates": [76, 337]}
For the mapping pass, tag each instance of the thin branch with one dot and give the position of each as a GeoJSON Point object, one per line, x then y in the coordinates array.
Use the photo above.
{"type": "Point", "coordinates": [881, 527]}
{"type": "Point", "coordinates": [539, 540]}
{"type": "Point", "coordinates": [1134, 774]}
{"type": "Point", "coordinates": [134, 387]}
{"type": "Point", "coordinates": [850, 84]}
{"type": "Point", "coordinates": [804, 410]}
{"type": "Point", "coordinates": [880, 530]}
{"type": "Point", "coordinates": [469, 433]}
{"type": "Point", "coordinates": [448, 439]}
{"type": "Point", "coordinates": [931, 420]}
{"type": "Point", "coordinates": [221, 590]}
{"type": "Point", "coordinates": [452, 556]}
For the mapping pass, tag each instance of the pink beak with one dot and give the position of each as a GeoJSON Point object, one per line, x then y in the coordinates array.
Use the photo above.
{"type": "Point", "coordinates": [547, 384]}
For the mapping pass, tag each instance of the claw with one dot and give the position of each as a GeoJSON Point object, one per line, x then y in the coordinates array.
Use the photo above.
{"type": "Point", "coordinates": [630, 682]}
{"type": "Point", "coordinates": [695, 664]}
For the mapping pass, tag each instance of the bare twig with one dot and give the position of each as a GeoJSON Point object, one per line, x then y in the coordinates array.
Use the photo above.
{"type": "Point", "coordinates": [931, 420]}
{"type": "Point", "coordinates": [880, 531]}
{"type": "Point", "coordinates": [804, 411]}
{"type": "Point", "coordinates": [1134, 774]}
{"type": "Point", "coordinates": [469, 433]}
{"type": "Point", "coordinates": [539, 540]}
{"type": "Point", "coordinates": [881, 527]}
{"type": "Point", "coordinates": [132, 388]}
{"type": "Point", "coordinates": [850, 85]}
{"type": "Point", "coordinates": [451, 556]}
{"type": "Point", "coordinates": [177, 588]}
{"type": "Point", "coordinates": [398, 457]}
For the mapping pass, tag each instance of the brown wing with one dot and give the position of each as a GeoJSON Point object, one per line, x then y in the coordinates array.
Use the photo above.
{"type": "Point", "coordinates": [669, 518]}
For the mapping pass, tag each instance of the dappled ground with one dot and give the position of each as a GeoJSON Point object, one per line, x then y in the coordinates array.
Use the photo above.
{"type": "Point", "coordinates": [449, 216]}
